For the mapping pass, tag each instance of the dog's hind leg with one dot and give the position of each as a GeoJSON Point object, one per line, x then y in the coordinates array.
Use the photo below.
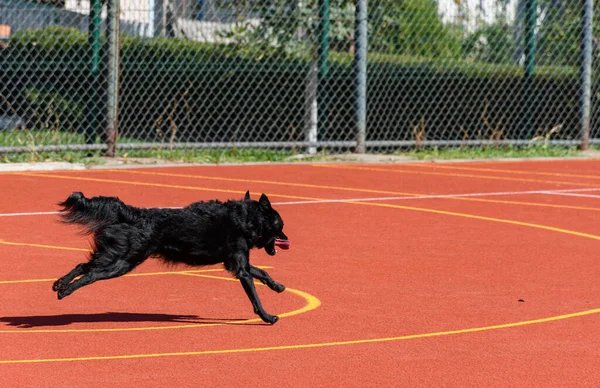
{"type": "Point", "coordinates": [118, 251]}
{"type": "Point", "coordinates": [80, 269]}
{"type": "Point", "coordinates": [266, 279]}
{"type": "Point", "coordinates": [95, 273]}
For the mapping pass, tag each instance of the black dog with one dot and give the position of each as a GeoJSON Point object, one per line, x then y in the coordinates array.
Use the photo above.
{"type": "Point", "coordinates": [202, 233]}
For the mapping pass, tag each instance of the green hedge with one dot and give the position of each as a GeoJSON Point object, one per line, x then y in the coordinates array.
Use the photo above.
{"type": "Point", "coordinates": [210, 92]}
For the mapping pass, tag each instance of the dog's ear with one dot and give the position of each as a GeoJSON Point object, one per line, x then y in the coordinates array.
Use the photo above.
{"type": "Point", "coordinates": [264, 201]}
{"type": "Point", "coordinates": [247, 196]}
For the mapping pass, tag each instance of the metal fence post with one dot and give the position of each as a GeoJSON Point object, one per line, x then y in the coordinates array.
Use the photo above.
{"type": "Point", "coordinates": [360, 73]}
{"type": "Point", "coordinates": [112, 89]}
{"type": "Point", "coordinates": [94, 41]}
{"type": "Point", "coordinates": [528, 93]}
{"type": "Point", "coordinates": [311, 106]}
{"type": "Point", "coordinates": [586, 71]}
{"type": "Point", "coordinates": [323, 65]}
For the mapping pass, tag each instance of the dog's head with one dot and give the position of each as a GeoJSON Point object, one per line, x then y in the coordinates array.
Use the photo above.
{"type": "Point", "coordinates": [271, 227]}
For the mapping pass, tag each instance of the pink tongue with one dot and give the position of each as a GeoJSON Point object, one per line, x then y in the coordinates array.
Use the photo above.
{"type": "Point", "coordinates": [283, 244]}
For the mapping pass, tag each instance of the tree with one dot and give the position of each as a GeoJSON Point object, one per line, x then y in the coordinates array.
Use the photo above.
{"type": "Point", "coordinates": [290, 27]}
{"type": "Point", "coordinates": [559, 38]}
{"type": "Point", "coordinates": [411, 27]}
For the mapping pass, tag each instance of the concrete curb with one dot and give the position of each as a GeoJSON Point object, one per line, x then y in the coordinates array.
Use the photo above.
{"type": "Point", "coordinates": [43, 166]}
{"type": "Point", "coordinates": [121, 163]}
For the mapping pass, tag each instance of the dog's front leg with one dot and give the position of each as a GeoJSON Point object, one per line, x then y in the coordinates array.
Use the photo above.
{"type": "Point", "coordinates": [266, 279]}
{"type": "Point", "coordinates": [248, 284]}
{"type": "Point", "coordinates": [239, 265]}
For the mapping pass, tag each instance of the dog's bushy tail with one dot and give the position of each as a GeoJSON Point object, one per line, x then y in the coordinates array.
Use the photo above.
{"type": "Point", "coordinates": [96, 213]}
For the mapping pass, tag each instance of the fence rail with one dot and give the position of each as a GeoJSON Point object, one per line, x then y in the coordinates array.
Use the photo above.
{"type": "Point", "coordinates": [303, 76]}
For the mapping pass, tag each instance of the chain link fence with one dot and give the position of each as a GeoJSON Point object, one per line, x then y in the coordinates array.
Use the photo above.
{"type": "Point", "coordinates": [297, 75]}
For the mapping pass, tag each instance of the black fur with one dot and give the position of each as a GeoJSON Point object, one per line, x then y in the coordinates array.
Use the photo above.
{"type": "Point", "coordinates": [202, 233]}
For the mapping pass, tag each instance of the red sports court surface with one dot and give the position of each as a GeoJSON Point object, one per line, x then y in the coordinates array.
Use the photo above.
{"type": "Point", "coordinates": [424, 274]}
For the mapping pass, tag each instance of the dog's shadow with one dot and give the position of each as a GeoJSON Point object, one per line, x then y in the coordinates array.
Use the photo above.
{"type": "Point", "coordinates": [33, 321]}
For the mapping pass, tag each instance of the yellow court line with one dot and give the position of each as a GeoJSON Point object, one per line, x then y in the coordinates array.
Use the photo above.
{"type": "Point", "coordinates": [312, 345]}
{"type": "Point", "coordinates": [159, 185]}
{"type": "Point", "coordinates": [312, 302]}
{"type": "Point", "coordinates": [523, 203]}
{"type": "Point", "coordinates": [398, 171]}
{"type": "Point", "coordinates": [269, 182]}
{"type": "Point", "coordinates": [522, 172]}
{"type": "Point", "coordinates": [44, 246]}
{"type": "Point", "coordinates": [352, 189]}
{"type": "Point", "coordinates": [473, 216]}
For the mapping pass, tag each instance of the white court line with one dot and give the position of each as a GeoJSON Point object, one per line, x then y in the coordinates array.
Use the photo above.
{"type": "Point", "coordinates": [573, 194]}
{"type": "Point", "coordinates": [553, 192]}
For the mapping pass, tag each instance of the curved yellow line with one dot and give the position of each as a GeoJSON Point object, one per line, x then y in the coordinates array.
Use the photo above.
{"type": "Point", "coordinates": [312, 303]}
{"type": "Point", "coordinates": [313, 345]}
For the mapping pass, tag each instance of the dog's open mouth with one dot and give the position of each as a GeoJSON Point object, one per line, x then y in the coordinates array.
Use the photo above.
{"type": "Point", "coordinates": [278, 242]}
{"type": "Point", "coordinates": [281, 243]}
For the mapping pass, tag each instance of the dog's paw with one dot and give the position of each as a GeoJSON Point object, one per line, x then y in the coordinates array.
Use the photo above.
{"type": "Point", "coordinates": [58, 285]}
{"type": "Point", "coordinates": [269, 318]}
{"type": "Point", "coordinates": [61, 294]}
{"type": "Point", "coordinates": [278, 287]}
